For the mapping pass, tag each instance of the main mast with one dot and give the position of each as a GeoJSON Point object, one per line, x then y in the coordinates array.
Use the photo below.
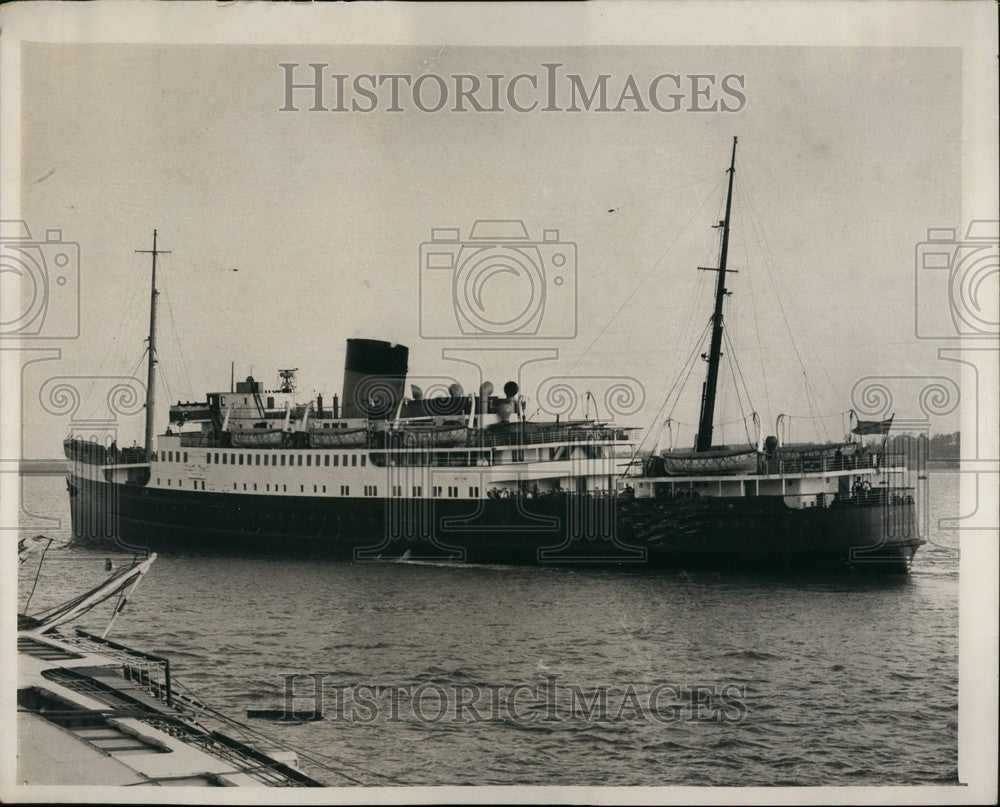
{"type": "Point", "coordinates": [151, 348]}
{"type": "Point", "coordinates": [704, 441]}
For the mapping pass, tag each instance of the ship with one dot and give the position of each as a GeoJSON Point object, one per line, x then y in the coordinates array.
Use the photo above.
{"type": "Point", "coordinates": [376, 475]}
{"type": "Point", "coordinates": [93, 711]}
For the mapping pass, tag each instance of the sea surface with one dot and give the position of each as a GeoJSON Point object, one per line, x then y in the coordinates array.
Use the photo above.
{"type": "Point", "coordinates": [757, 681]}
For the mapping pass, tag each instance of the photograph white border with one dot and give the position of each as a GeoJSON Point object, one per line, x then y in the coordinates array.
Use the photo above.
{"type": "Point", "coordinates": [970, 26]}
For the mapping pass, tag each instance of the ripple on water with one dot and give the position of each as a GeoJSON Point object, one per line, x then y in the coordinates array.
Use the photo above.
{"type": "Point", "coordinates": [847, 681]}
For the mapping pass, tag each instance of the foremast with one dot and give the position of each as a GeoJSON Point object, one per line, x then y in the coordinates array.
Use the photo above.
{"type": "Point", "coordinates": [151, 350]}
{"type": "Point", "coordinates": [710, 387]}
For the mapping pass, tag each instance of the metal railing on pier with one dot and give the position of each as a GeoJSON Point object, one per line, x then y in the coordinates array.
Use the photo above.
{"type": "Point", "coordinates": [151, 673]}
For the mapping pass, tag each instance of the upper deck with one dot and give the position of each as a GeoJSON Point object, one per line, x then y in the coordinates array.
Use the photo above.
{"type": "Point", "coordinates": [802, 482]}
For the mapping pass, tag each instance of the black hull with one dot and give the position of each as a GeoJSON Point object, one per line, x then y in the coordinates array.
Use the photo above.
{"type": "Point", "coordinates": [739, 534]}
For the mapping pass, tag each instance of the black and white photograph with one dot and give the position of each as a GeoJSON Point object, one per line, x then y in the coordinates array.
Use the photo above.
{"type": "Point", "coordinates": [499, 402]}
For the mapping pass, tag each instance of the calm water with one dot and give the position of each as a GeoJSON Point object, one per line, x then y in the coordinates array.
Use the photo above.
{"type": "Point", "coordinates": [844, 681]}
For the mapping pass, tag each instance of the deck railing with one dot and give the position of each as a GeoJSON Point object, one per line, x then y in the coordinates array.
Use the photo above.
{"type": "Point", "coordinates": [818, 464]}
{"type": "Point", "coordinates": [97, 454]}
{"type": "Point", "coordinates": [383, 439]}
{"type": "Point", "coordinates": [151, 673]}
{"type": "Point", "coordinates": [557, 435]}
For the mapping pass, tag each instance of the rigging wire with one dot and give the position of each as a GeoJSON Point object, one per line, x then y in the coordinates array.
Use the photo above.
{"type": "Point", "coordinates": [120, 337]}
{"type": "Point", "coordinates": [687, 332]}
{"type": "Point", "coordinates": [133, 318]}
{"type": "Point", "coordinates": [731, 354]}
{"type": "Point", "coordinates": [166, 384]}
{"type": "Point", "coordinates": [60, 609]}
{"type": "Point", "coordinates": [117, 355]}
{"type": "Point", "coordinates": [642, 280]}
{"type": "Point", "coordinates": [757, 229]}
{"type": "Point", "coordinates": [126, 334]}
{"type": "Point", "coordinates": [734, 362]}
{"type": "Point", "coordinates": [756, 326]}
{"type": "Point", "coordinates": [173, 325]}
{"type": "Point", "coordinates": [38, 572]}
{"type": "Point", "coordinates": [815, 417]}
{"type": "Point", "coordinates": [834, 388]}
{"type": "Point", "coordinates": [826, 416]}
{"type": "Point", "coordinates": [692, 359]}
{"type": "Point", "coordinates": [681, 382]}
{"type": "Point", "coordinates": [687, 335]}
{"type": "Point", "coordinates": [735, 359]}
{"type": "Point", "coordinates": [126, 317]}
{"type": "Point", "coordinates": [727, 423]}
{"type": "Point", "coordinates": [666, 398]}
{"type": "Point", "coordinates": [135, 367]}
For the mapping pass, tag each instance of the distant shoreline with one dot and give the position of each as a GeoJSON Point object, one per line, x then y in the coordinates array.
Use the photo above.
{"type": "Point", "coordinates": [948, 463]}
{"type": "Point", "coordinates": [48, 467]}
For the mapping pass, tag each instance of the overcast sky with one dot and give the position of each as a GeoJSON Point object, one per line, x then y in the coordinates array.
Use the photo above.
{"type": "Point", "coordinates": [292, 231]}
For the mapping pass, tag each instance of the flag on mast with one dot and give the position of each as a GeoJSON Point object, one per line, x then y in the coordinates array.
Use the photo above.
{"type": "Point", "coordinates": [873, 426]}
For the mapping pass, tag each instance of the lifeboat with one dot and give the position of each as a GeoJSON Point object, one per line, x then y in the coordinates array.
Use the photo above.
{"type": "Point", "coordinates": [258, 438]}
{"type": "Point", "coordinates": [448, 434]}
{"type": "Point", "coordinates": [720, 460]}
{"type": "Point", "coordinates": [338, 438]}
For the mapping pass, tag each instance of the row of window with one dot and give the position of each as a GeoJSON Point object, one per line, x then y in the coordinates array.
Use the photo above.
{"type": "Point", "coordinates": [284, 488]}
{"type": "Point", "coordinates": [313, 460]}
{"type": "Point", "coordinates": [234, 458]}
{"type": "Point", "coordinates": [345, 490]}
{"type": "Point", "coordinates": [197, 484]}
{"type": "Point", "coordinates": [437, 491]}
{"type": "Point", "coordinates": [274, 460]}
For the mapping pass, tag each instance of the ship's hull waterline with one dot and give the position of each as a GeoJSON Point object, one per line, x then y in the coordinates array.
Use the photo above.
{"type": "Point", "coordinates": [719, 533]}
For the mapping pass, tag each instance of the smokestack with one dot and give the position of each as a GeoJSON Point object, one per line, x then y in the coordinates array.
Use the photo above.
{"type": "Point", "coordinates": [374, 378]}
{"type": "Point", "coordinates": [485, 391]}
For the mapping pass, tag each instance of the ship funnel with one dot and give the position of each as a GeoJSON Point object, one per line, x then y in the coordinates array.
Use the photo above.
{"type": "Point", "coordinates": [374, 378]}
{"type": "Point", "coordinates": [483, 404]}
{"type": "Point", "coordinates": [250, 385]}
